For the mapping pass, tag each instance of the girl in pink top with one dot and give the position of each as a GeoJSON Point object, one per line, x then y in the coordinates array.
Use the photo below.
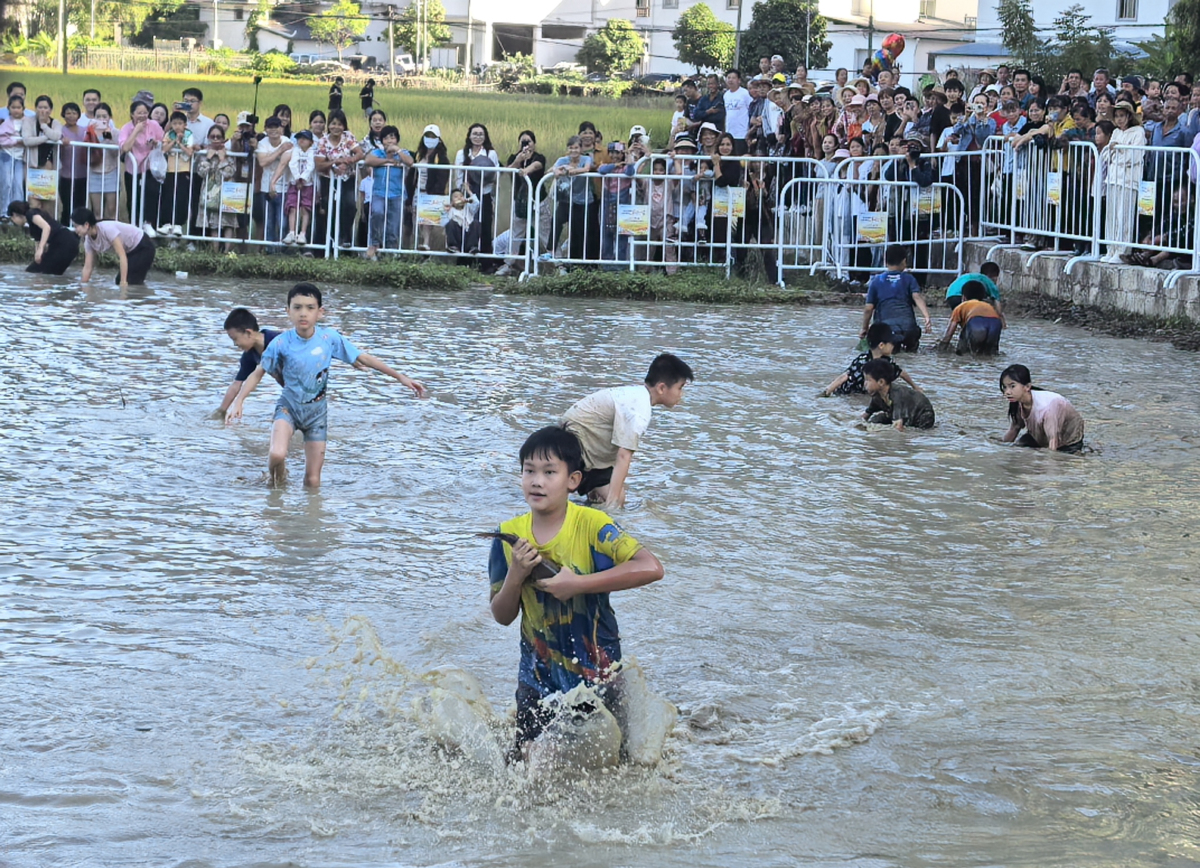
{"type": "Point", "coordinates": [137, 139]}
{"type": "Point", "coordinates": [1048, 418]}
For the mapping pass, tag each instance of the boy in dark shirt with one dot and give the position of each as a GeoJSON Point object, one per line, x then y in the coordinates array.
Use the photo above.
{"type": "Point", "coordinates": [890, 300]}
{"type": "Point", "coordinates": [893, 404]}
{"type": "Point", "coordinates": [242, 328]}
{"type": "Point", "coordinates": [850, 381]}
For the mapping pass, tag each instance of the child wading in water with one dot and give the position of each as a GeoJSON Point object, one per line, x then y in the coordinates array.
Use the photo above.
{"type": "Point", "coordinates": [1048, 418]}
{"type": "Point", "coordinates": [302, 356]}
{"type": "Point", "coordinates": [893, 404]}
{"type": "Point", "coordinates": [981, 323]}
{"type": "Point", "coordinates": [569, 632]}
{"type": "Point", "coordinates": [882, 344]}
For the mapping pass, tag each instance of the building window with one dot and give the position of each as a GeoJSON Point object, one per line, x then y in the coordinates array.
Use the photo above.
{"type": "Point", "coordinates": [1127, 10]}
{"type": "Point", "coordinates": [732, 4]}
{"type": "Point", "coordinates": [237, 14]}
{"type": "Point", "coordinates": [929, 8]}
{"type": "Point", "coordinates": [643, 8]}
{"type": "Point", "coordinates": [670, 4]}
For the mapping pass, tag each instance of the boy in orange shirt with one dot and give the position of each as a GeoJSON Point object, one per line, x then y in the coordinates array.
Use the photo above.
{"type": "Point", "coordinates": [981, 323]}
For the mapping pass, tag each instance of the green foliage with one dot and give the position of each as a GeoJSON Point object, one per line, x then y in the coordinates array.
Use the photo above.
{"type": "Point", "coordinates": [132, 16]}
{"type": "Point", "coordinates": [1076, 43]}
{"type": "Point", "coordinates": [43, 45]}
{"type": "Point", "coordinates": [172, 25]}
{"type": "Point", "coordinates": [690, 284]}
{"type": "Point", "coordinates": [1161, 58]}
{"type": "Point", "coordinates": [259, 16]}
{"type": "Point", "coordinates": [615, 47]}
{"type": "Point", "coordinates": [1183, 31]}
{"type": "Point", "coordinates": [341, 25]}
{"type": "Point", "coordinates": [1018, 31]}
{"type": "Point", "coordinates": [703, 40]}
{"type": "Point", "coordinates": [778, 27]}
{"type": "Point", "coordinates": [273, 63]}
{"type": "Point", "coordinates": [432, 28]}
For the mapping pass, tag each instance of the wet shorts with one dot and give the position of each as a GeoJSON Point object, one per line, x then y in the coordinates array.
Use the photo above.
{"type": "Point", "coordinates": [533, 716]}
{"type": "Point", "coordinates": [308, 418]}
{"type": "Point", "coordinates": [597, 477]}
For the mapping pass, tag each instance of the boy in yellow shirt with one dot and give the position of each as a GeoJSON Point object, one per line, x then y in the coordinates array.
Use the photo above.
{"type": "Point", "coordinates": [569, 632]}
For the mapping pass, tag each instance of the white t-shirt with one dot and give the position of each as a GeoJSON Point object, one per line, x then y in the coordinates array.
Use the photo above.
{"type": "Point", "coordinates": [200, 127]}
{"type": "Point", "coordinates": [737, 112]}
{"type": "Point", "coordinates": [274, 177]}
{"type": "Point", "coordinates": [609, 420]}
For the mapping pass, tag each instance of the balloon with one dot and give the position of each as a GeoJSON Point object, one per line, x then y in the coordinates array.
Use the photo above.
{"type": "Point", "coordinates": [895, 44]}
{"type": "Point", "coordinates": [881, 60]}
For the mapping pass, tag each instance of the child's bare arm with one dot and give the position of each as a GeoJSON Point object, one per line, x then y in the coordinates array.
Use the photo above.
{"type": "Point", "coordinates": [371, 361]}
{"type": "Point", "coordinates": [252, 381]}
{"type": "Point", "coordinates": [832, 387]}
{"type": "Point", "coordinates": [616, 487]}
{"type": "Point", "coordinates": [506, 604]}
{"type": "Point", "coordinates": [642, 569]}
{"type": "Point", "coordinates": [906, 378]}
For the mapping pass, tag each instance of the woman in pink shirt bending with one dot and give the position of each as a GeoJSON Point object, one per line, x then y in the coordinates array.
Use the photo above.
{"type": "Point", "coordinates": [1048, 419]}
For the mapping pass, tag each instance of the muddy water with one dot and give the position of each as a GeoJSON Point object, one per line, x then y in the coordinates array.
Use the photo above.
{"type": "Point", "coordinates": [886, 649]}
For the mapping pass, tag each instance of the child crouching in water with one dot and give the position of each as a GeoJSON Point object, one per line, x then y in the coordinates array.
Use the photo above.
{"type": "Point", "coordinates": [891, 403]}
{"type": "Point", "coordinates": [569, 632]}
{"type": "Point", "coordinates": [1049, 420]}
{"type": "Point", "coordinates": [882, 344]}
{"type": "Point", "coordinates": [981, 323]}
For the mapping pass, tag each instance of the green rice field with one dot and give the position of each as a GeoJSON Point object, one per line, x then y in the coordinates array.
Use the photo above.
{"type": "Point", "coordinates": [553, 119]}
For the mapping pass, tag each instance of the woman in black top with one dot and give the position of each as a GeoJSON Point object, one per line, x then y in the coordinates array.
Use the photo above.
{"type": "Point", "coordinates": [335, 95]}
{"type": "Point", "coordinates": [532, 165]}
{"type": "Point", "coordinates": [367, 95]}
{"type": "Point", "coordinates": [57, 246]}
{"type": "Point", "coordinates": [727, 177]}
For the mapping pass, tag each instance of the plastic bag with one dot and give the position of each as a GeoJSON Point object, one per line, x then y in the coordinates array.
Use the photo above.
{"type": "Point", "coordinates": [157, 164]}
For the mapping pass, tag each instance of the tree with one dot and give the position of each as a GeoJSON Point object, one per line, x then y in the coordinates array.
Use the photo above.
{"type": "Point", "coordinates": [170, 26]}
{"type": "Point", "coordinates": [341, 25]}
{"type": "Point", "coordinates": [1183, 31]}
{"type": "Point", "coordinates": [781, 27]}
{"type": "Point", "coordinates": [430, 26]}
{"type": "Point", "coordinates": [1075, 43]}
{"type": "Point", "coordinates": [703, 40]}
{"type": "Point", "coordinates": [258, 18]}
{"type": "Point", "coordinates": [131, 16]}
{"type": "Point", "coordinates": [615, 47]}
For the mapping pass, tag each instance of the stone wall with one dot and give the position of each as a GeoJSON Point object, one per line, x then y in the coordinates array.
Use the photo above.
{"type": "Point", "coordinates": [1121, 287]}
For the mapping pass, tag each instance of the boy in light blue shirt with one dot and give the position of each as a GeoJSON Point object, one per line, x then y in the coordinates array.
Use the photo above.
{"type": "Point", "coordinates": [302, 357]}
{"type": "Point", "coordinates": [388, 164]}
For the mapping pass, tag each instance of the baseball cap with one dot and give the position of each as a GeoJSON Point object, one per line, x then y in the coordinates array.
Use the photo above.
{"type": "Point", "coordinates": [842, 154]}
{"type": "Point", "coordinates": [243, 117]}
{"type": "Point", "coordinates": [434, 129]}
{"type": "Point", "coordinates": [683, 140]}
{"type": "Point", "coordinates": [858, 100]}
{"type": "Point", "coordinates": [637, 130]}
{"type": "Point", "coordinates": [305, 134]}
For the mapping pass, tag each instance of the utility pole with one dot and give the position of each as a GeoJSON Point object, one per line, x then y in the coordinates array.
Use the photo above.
{"type": "Point", "coordinates": [62, 34]}
{"type": "Point", "coordinates": [467, 67]}
{"type": "Point", "coordinates": [417, 34]}
{"type": "Point", "coordinates": [807, 32]}
{"type": "Point", "coordinates": [93, 31]}
{"type": "Point", "coordinates": [871, 30]}
{"type": "Point", "coordinates": [737, 39]}
{"type": "Point", "coordinates": [392, 42]}
{"type": "Point", "coordinates": [216, 39]}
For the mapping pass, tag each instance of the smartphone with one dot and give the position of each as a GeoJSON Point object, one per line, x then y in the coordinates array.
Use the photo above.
{"type": "Point", "coordinates": [183, 106]}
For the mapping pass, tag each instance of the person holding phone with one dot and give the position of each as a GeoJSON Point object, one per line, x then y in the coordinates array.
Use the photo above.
{"type": "Point", "coordinates": [105, 176]}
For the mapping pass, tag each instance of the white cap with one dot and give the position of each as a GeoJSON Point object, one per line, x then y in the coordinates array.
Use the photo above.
{"type": "Point", "coordinates": [243, 118]}
{"type": "Point", "coordinates": [433, 128]}
{"type": "Point", "coordinates": [637, 130]}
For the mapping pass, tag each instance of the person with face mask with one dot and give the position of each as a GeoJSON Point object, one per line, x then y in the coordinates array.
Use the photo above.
{"type": "Point", "coordinates": [429, 181]}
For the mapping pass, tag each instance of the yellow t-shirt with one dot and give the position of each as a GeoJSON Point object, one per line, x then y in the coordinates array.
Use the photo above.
{"type": "Point", "coordinates": [563, 644]}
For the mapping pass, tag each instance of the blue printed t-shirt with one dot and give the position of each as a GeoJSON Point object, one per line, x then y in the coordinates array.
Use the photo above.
{"type": "Point", "coordinates": [251, 358]}
{"type": "Point", "coordinates": [956, 288]}
{"type": "Point", "coordinates": [891, 293]}
{"type": "Point", "coordinates": [304, 363]}
{"type": "Point", "coordinates": [387, 181]}
{"type": "Point", "coordinates": [564, 644]}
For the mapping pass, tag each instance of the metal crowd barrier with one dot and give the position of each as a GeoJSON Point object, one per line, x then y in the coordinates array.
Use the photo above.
{"type": "Point", "coordinates": [664, 211]}
{"type": "Point", "coordinates": [426, 224]}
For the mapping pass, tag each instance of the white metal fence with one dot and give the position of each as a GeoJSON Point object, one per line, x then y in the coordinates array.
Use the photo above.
{"type": "Point", "coordinates": [1124, 203]}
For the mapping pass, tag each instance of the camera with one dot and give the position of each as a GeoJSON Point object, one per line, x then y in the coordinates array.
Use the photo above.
{"type": "Point", "coordinates": [252, 120]}
{"type": "Point", "coordinates": [258, 79]}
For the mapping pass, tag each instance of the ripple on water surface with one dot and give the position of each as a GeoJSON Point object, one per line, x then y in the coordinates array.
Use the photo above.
{"type": "Point", "coordinates": [887, 649]}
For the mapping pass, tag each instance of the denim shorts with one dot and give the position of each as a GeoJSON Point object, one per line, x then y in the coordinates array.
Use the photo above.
{"type": "Point", "coordinates": [308, 418]}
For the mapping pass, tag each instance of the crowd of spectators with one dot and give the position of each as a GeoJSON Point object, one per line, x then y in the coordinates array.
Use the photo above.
{"type": "Point", "coordinates": [175, 164]}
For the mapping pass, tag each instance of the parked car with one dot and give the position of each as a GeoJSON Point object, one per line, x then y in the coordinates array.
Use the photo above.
{"type": "Point", "coordinates": [660, 79]}
{"type": "Point", "coordinates": [405, 65]}
{"type": "Point", "coordinates": [566, 67]}
{"type": "Point", "coordinates": [329, 67]}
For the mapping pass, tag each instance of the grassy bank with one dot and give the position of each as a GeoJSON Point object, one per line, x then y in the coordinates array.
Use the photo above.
{"type": "Point", "coordinates": [695, 285]}
{"type": "Point", "coordinates": [553, 119]}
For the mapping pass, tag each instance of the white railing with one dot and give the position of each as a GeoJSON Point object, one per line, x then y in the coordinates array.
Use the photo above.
{"type": "Point", "coordinates": [661, 212]}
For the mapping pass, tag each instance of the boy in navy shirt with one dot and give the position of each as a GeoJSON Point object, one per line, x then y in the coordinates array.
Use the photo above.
{"type": "Point", "coordinates": [890, 300]}
{"type": "Point", "coordinates": [850, 381]}
{"type": "Point", "coordinates": [302, 357]}
{"type": "Point", "coordinates": [242, 328]}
